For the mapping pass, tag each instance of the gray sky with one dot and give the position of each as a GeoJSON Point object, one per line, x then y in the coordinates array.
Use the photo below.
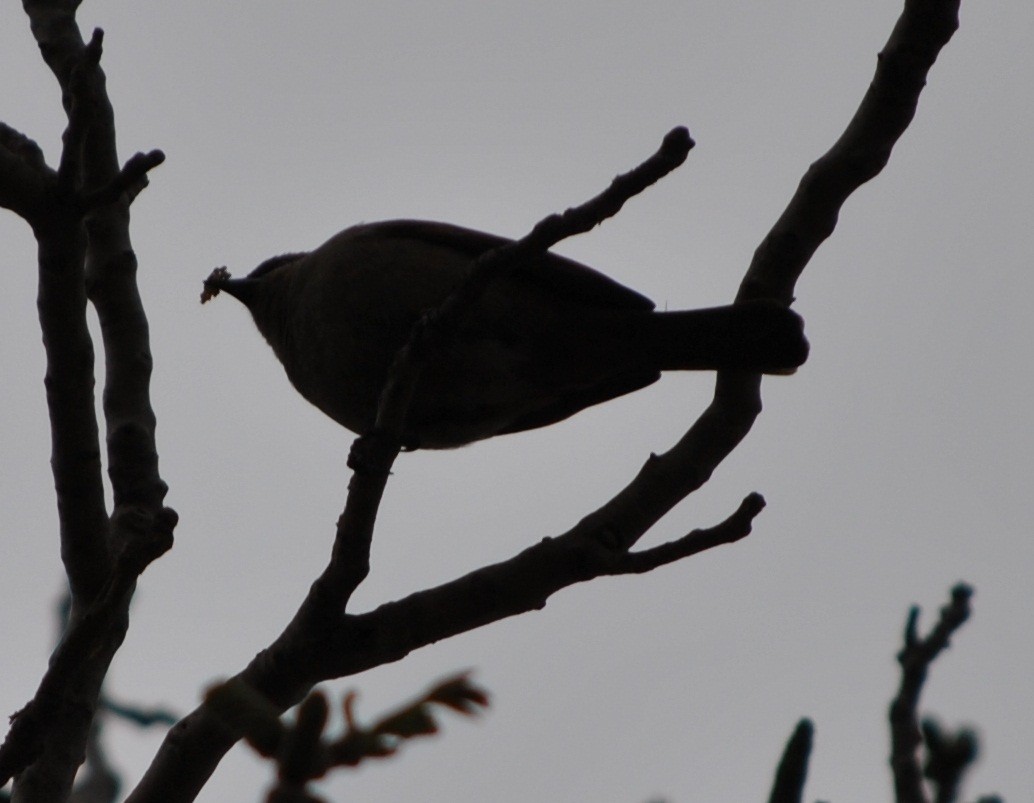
{"type": "Point", "coordinates": [896, 462]}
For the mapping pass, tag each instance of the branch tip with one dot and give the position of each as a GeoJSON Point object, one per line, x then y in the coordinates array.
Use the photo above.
{"type": "Point", "coordinates": [915, 658]}
{"type": "Point", "coordinates": [792, 772]}
{"type": "Point", "coordinates": [677, 144]}
{"type": "Point", "coordinates": [130, 181]}
{"type": "Point", "coordinates": [736, 527]}
{"type": "Point", "coordinates": [961, 594]}
{"type": "Point", "coordinates": [94, 48]}
{"type": "Point", "coordinates": [912, 627]}
{"type": "Point", "coordinates": [752, 504]}
{"type": "Point", "coordinates": [433, 330]}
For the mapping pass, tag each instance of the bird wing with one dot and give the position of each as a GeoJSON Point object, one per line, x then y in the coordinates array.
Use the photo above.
{"type": "Point", "coordinates": [556, 274]}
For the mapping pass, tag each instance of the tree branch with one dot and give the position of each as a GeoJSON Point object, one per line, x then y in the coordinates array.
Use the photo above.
{"type": "Point", "coordinates": [66, 693]}
{"type": "Point", "coordinates": [80, 94]}
{"type": "Point", "coordinates": [373, 454]}
{"type": "Point", "coordinates": [915, 659]}
{"type": "Point", "coordinates": [434, 331]}
{"type": "Point", "coordinates": [69, 381]}
{"type": "Point", "coordinates": [734, 528]}
{"type": "Point", "coordinates": [349, 644]}
{"type": "Point", "coordinates": [949, 755]}
{"type": "Point", "coordinates": [89, 163]}
{"type": "Point", "coordinates": [861, 152]}
{"type": "Point", "coordinates": [79, 214]}
{"type": "Point", "coordinates": [793, 767]}
{"type": "Point", "coordinates": [24, 175]}
{"type": "Point", "coordinates": [519, 585]}
{"type": "Point", "coordinates": [130, 180]}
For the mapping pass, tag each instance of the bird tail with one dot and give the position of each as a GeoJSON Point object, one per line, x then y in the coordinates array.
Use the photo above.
{"type": "Point", "coordinates": [754, 336]}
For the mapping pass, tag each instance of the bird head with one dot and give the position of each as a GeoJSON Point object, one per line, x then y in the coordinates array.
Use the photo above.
{"type": "Point", "coordinates": [246, 289]}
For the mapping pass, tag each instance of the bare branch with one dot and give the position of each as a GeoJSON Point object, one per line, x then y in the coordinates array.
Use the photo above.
{"type": "Point", "coordinates": [373, 455]}
{"type": "Point", "coordinates": [793, 767]}
{"type": "Point", "coordinates": [67, 691]}
{"type": "Point", "coordinates": [15, 143]}
{"type": "Point", "coordinates": [103, 557]}
{"type": "Point", "coordinates": [24, 174]}
{"type": "Point", "coordinates": [734, 528]}
{"type": "Point", "coordinates": [69, 381]}
{"type": "Point", "coordinates": [80, 104]}
{"type": "Point", "coordinates": [522, 584]}
{"type": "Point", "coordinates": [101, 188]}
{"type": "Point", "coordinates": [321, 643]}
{"type": "Point", "coordinates": [948, 757]}
{"type": "Point", "coordinates": [861, 152]}
{"type": "Point", "coordinates": [915, 659]}
{"type": "Point", "coordinates": [434, 329]}
{"type": "Point", "coordinates": [318, 646]}
{"type": "Point", "coordinates": [98, 782]}
{"type": "Point", "coordinates": [131, 179]}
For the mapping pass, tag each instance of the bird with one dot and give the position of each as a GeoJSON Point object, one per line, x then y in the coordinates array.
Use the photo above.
{"type": "Point", "coordinates": [544, 341]}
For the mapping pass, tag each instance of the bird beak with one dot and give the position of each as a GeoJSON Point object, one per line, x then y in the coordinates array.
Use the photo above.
{"type": "Point", "coordinates": [219, 280]}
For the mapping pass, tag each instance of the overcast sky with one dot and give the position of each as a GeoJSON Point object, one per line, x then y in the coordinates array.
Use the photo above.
{"type": "Point", "coordinates": [895, 463]}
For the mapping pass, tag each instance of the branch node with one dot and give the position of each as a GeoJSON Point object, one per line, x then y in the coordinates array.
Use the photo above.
{"type": "Point", "coordinates": [130, 180]}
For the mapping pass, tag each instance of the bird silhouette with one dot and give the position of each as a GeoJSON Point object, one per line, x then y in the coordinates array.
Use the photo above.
{"type": "Point", "coordinates": [548, 339]}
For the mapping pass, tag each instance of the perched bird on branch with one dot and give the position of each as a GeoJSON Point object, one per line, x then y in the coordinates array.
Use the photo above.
{"type": "Point", "coordinates": [547, 339]}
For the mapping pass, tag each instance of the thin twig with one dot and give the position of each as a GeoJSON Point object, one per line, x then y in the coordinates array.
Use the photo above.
{"type": "Point", "coordinates": [915, 658]}
{"type": "Point", "coordinates": [734, 528]}
{"type": "Point", "coordinates": [793, 767]}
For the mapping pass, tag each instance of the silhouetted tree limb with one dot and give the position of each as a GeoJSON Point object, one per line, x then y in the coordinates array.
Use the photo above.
{"type": "Point", "coordinates": [24, 175]}
{"type": "Point", "coordinates": [860, 153]}
{"type": "Point", "coordinates": [79, 214]}
{"type": "Point", "coordinates": [436, 329]}
{"type": "Point", "coordinates": [793, 767]}
{"type": "Point", "coordinates": [915, 659]}
{"type": "Point", "coordinates": [373, 454]}
{"type": "Point", "coordinates": [98, 782]}
{"type": "Point", "coordinates": [947, 755]}
{"type": "Point", "coordinates": [60, 707]}
{"type": "Point", "coordinates": [322, 642]}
